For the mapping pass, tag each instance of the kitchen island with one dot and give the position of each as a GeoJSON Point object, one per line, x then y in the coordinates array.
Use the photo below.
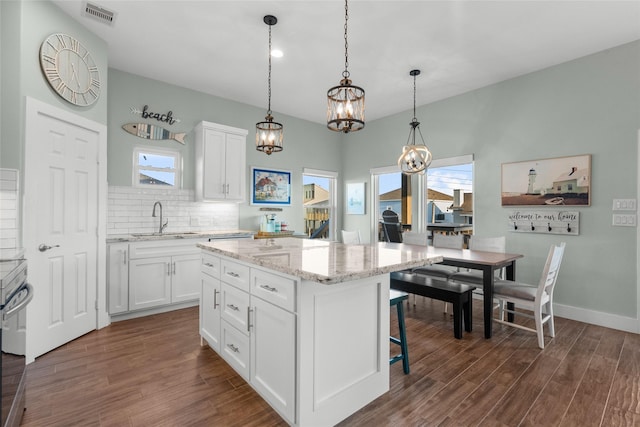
{"type": "Point", "coordinates": [305, 322]}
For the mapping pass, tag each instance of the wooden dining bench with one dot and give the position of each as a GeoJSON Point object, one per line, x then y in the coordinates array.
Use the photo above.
{"type": "Point", "coordinates": [458, 294]}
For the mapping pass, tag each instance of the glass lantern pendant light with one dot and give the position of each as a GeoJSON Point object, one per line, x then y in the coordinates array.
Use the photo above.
{"type": "Point", "coordinates": [345, 112]}
{"type": "Point", "coordinates": [415, 158]}
{"type": "Point", "coordinates": [269, 134]}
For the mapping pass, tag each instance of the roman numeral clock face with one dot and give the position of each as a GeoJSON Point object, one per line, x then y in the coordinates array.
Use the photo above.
{"type": "Point", "coordinates": [70, 70]}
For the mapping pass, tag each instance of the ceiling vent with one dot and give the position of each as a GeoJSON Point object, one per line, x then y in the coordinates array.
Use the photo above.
{"type": "Point", "coordinates": [99, 13]}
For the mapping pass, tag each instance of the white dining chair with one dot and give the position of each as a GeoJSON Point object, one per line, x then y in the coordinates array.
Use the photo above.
{"type": "Point", "coordinates": [486, 244]}
{"type": "Point", "coordinates": [415, 238]}
{"type": "Point", "coordinates": [351, 237]}
{"type": "Point", "coordinates": [538, 299]}
{"type": "Point", "coordinates": [451, 241]}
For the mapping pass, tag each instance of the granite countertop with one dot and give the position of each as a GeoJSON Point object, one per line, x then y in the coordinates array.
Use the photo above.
{"type": "Point", "coordinates": [213, 234]}
{"type": "Point", "coordinates": [324, 261]}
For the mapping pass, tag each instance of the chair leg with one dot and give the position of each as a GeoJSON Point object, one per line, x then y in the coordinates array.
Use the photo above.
{"type": "Point", "coordinates": [539, 326]}
{"type": "Point", "coordinates": [549, 310]}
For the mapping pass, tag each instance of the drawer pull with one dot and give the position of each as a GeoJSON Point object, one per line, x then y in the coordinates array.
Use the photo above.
{"type": "Point", "coordinates": [233, 307]}
{"type": "Point", "coordinates": [233, 348]}
{"type": "Point", "coordinates": [208, 264]}
{"type": "Point", "coordinates": [269, 288]}
{"type": "Point", "coordinates": [232, 274]}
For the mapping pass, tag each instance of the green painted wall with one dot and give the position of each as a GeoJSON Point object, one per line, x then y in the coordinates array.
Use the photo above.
{"type": "Point", "coordinates": [306, 144]}
{"type": "Point", "coordinates": [587, 106]}
{"type": "Point", "coordinates": [25, 25]}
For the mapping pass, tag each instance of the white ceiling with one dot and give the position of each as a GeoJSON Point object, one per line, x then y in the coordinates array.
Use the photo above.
{"type": "Point", "coordinates": [220, 47]}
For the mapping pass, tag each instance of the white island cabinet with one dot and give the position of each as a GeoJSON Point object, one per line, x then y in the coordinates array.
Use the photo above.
{"type": "Point", "coordinates": [220, 162]}
{"type": "Point", "coordinates": [305, 322]}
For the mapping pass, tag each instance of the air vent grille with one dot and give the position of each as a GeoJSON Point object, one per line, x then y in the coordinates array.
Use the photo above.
{"type": "Point", "coordinates": [99, 13]}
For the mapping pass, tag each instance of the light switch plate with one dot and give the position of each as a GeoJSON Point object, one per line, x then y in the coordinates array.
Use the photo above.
{"type": "Point", "coordinates": [624, 205]}
{"type": "Point", "coordinates": [624, 220]}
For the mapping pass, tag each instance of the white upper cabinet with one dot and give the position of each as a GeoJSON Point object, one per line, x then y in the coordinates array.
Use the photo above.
{"type": "Point", "coordinates": [220, 162]}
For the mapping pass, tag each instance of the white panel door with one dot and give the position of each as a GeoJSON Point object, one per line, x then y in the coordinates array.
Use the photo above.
{"type": "Point", "coordinates": [60, 230]}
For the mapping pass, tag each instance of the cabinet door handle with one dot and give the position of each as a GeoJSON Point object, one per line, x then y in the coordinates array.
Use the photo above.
{"type": "Point", "coordinates": [174, 268]}
{"type": "Point", "coordinates": [124, 257]}
{"type": "Point", "coordinates": [215, 298]}
{"type": "Point", "coordinates": [233, 348]}
{"type": "Point", "coordinates": [269, 288]}
{"type": "Point", "coordinates": [168, 269]}
{"type": "Point", "coordinates": [233, 307]}
{"type": "Point", "coordinates": [224, 189]}
{"type": "Point", "coordinates": [249, 319]}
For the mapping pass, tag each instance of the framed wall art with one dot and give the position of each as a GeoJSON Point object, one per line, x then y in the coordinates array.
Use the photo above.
{"type": "Point", "coordinates": [270, 187]}
{"type": "Point", "coordinates": [547, 182]}
{"type": "Point", "coordinates": [355, 198]}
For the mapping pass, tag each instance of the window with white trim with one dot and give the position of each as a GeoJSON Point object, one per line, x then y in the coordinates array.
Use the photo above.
{"type": "Point", "coordinates": [156, 168]}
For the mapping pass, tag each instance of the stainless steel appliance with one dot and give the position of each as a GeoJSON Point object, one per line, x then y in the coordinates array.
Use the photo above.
{"type": "Point", "coordinates": [15, 294]}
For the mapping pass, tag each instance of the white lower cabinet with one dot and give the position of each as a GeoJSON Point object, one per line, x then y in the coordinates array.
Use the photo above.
{"type": "Point", "coordinates": [273, 339]}
{"type": "Point", "coordinates": [256, 321]}
{"type": "Point", "coordinates": [118, 277]}
{"type": "Point", "coordinates": [185, 282]}
{"type": "Point", "coordinates": [210, 311]}
{"type": "Point", "coordinates": [235, 348]}
{"type": "Point", "coordinates": [148, 274]}
{"type": "Point", "coordinates": [149, 282]}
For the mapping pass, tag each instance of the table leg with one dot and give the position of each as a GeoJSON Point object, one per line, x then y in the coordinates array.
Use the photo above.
{"type": "Point", "coordinates": [487, 290]}
{"type": "Point", "coordinates": [511, 275]}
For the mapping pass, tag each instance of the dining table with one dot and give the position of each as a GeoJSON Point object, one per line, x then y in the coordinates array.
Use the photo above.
{"type": "Point", "coordinates": [487, 263]}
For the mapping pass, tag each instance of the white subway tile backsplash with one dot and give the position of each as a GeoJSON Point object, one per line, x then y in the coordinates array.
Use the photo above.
{"type": "Point", "coordinates": [129, 211]}
{"type": "Point", "coordinates": [9, 232]}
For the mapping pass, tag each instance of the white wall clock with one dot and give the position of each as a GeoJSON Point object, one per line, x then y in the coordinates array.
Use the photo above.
{"type": "Point", "coordinates": [70, 69]}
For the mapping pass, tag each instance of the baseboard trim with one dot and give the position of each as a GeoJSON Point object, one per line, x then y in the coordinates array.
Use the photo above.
{"type": "Point", "coordinates": [156, 310]}
{"type": "Point", "coordinates": [608, 320]}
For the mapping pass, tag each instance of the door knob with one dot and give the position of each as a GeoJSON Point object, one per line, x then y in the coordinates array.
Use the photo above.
{"type": "Point", "coordinates": [44, 247]}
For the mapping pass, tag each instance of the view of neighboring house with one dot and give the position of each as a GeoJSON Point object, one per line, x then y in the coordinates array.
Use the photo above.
{"type": "Point", "coordinates": [316, 207]}
{"type": "Point", "coordinates": [438, 208]}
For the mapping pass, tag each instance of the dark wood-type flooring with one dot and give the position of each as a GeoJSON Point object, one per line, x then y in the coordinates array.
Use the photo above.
{"type": "Point", "coordinates": [152, 372]}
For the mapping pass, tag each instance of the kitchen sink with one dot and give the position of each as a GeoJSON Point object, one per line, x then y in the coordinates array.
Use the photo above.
{"type": "Point", "coordinates": [176, 234]}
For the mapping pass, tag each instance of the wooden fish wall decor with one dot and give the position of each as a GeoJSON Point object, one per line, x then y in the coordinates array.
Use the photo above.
{"type": "Point", "coordinates": [146, 114]}
{"type": "Point", "coordinates": [143, 130]}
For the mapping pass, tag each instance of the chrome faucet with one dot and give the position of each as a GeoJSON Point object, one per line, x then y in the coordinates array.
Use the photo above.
{"type": "Point", "coordinates": [162, 226]}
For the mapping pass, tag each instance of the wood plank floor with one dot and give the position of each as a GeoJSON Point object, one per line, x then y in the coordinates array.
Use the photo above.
{"type": "Point", "coordinates": [152, 372]}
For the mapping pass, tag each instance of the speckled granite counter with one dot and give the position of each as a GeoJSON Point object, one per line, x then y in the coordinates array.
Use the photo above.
{"type": "Point", "coordinates": [216, 234]}
{"type": "Point", "coordinates": [323, 261]}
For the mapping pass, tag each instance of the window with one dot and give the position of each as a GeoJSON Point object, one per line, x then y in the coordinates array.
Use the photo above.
{"type": "Point", "coordinates": [156, 168]}
{"type": "Point", "coordinates": [319, 195]}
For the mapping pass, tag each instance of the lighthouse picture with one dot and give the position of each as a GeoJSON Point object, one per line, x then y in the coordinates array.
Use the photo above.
{"type": "Point", "coordinates": [544, 182]}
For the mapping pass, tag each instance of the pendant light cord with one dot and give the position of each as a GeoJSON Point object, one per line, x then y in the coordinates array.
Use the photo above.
{"type": "Point", "coordinates": [414, 99]}
{"type": "Point", "coordinates": [269, 103]}
{"type": "Point", "coordinates": [345, 74]}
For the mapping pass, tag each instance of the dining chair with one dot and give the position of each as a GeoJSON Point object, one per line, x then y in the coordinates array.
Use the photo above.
{"type": "Point", "coordinates": [486, 244]}
{"type": "Point", "coordinates": [538, 299]}
{"type": "Point", "coordinates": [415, 238]}
{"type": "Point", "coordinates": [452, 241]}
{"type": "Point", "coordinates": [351, 237]}
{"type": "Point", "coordinates": [391, 228]}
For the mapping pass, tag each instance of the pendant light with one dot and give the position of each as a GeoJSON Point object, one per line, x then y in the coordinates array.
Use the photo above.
{"type": "Point", "coordinates": [415, 158]}
{"type": "Point", "coordinates": [345, 112]}
{"type": "Point", "coordinates": [269, 134]}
